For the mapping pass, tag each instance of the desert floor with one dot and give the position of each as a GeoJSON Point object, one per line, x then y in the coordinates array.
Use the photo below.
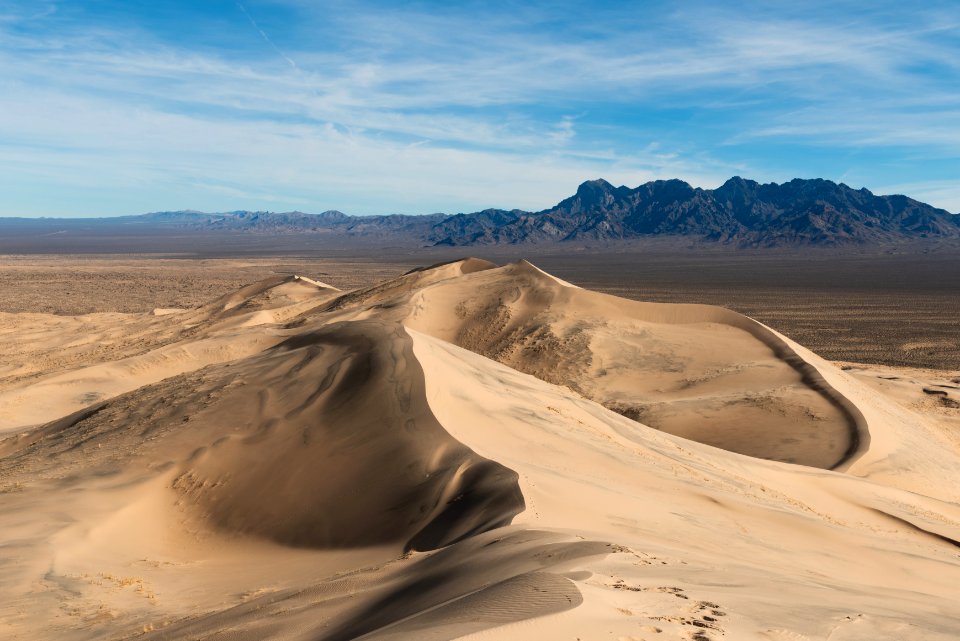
{"type": "Point", "coordinates": [888, 309]}
{"type": "Point", "coordinates": [299, 448]}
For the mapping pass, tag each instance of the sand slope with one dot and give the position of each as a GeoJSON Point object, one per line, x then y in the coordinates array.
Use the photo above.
{"type": "Point", "coordinates": [467, 450]}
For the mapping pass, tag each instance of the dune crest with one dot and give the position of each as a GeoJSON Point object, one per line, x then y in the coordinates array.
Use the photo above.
{"type": "Point", "coordinates": [465, 449]}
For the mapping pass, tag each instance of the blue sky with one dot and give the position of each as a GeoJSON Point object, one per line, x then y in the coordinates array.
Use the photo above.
{"type": "Point", "coordinates": [111, 108]}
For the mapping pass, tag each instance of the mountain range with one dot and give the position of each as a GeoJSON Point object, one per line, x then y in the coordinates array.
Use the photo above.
{"type": "Point", "coordinates": [740, 212]}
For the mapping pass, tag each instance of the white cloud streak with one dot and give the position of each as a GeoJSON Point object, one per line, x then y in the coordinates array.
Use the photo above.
{"type": "Point", "coordinates": [264, 35]}
{"type": "Point", "coordinates": [420, 112]}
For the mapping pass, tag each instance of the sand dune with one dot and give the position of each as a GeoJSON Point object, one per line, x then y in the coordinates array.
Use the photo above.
{"type": "Point", "coordinates": [700, 372]}
{"type": "Point", "coordinates": [57, 365]}
{"type": "Point", "coordinates": [465, 451]}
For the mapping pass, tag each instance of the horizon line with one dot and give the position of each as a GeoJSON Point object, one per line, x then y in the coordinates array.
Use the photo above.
{"type": "Point", "coordinates": [461, 213]}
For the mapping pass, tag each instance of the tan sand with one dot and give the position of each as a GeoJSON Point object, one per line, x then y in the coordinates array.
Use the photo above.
{"type": "Point", "coordinates": [467, 451]}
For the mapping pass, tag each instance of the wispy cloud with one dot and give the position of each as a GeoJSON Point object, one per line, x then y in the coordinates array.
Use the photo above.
{"type": "Point", "coordinates": [374, 108]}
{"type": "Point", "coordinates": [19, 14]}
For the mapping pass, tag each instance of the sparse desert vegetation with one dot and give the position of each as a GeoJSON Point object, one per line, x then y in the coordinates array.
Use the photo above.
{"type": "Point", "coordinates": [886, 309]}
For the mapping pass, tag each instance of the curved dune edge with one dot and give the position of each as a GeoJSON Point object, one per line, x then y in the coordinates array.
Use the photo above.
{"type": "Point", "coordinates": [486, 314]}
{"type": "Point", "coordinates": [815, 378]}
{"type": "Point", "coordinates": [886, 441]}
{"type": "Point", "coordinates": [898, 447]}
{"type": "Point", "coordinates": [355, 477]}
{"type": "Point", "coordinates": [224, 323]}
{"type": "Point", "coordinates": [324, 441]}
{"type": "Point", "coordinates": [338, 466]}
{"type": "Point", "coordinates": [693, 520]}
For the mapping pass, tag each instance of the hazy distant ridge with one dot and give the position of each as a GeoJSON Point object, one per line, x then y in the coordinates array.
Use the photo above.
{"type": "Point", "coordinates": [739, 212]}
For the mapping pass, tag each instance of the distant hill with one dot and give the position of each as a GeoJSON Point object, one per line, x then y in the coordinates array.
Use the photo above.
{"type": "Point", "coordinates": [739, 213]}
{"type": "Point", "coordinates": [294, 221]}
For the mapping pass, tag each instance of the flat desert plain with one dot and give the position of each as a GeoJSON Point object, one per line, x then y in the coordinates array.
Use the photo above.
{"type": "Point", "coordinates": [291, 449]}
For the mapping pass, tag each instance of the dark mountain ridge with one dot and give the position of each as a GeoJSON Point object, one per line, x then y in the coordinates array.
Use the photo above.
{"type": "Point", "coordinates": [740, 212]}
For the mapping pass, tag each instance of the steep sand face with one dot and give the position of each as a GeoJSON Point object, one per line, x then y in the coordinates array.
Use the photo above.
{"type": "Point", "coordinates": [790, 551]}
{"type": "Point", "coordinates": [465, 450]}
{"type": "Point", "coordinates": [338, 415]}
{"type": "Point", "coordinates": [323, 443]}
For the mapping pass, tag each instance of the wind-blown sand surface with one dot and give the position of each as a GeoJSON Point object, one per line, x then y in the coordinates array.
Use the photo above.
{"type": "Point", "coordinates": [465, 451]}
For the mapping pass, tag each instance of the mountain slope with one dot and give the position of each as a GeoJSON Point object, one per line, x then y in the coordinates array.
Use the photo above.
{"type": "Point", "coordinates": [744, 212]}
{"type": "Point", "coordinates": [740, 211]}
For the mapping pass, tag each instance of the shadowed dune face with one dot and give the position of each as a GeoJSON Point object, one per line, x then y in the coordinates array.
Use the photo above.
{"type": "Point", "coordinates": [350, 465]}
{"type": "Point", "coordinates": [339, 415]}
{"type": "Point", "coordinates": [475, 585]}
{"type": "Point", "coordinates": [479, 583]}
{"type": "Point", "coordinates": [298, 445]}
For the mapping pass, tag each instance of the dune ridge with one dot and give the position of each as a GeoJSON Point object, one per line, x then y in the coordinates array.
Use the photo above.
{"type": "Point", "coordinates": [468, 450]}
